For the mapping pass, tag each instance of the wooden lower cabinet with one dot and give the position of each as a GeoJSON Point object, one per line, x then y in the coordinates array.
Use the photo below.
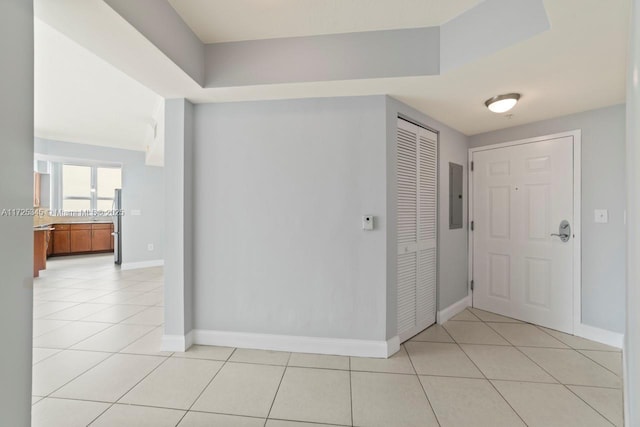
{"type": "Point", "coordinates": [61, 239]}
{"type": "Point", "coordinates": [39, 251]}
{"type": "Point", "coordinates": [80, 240]}
{"type": "Point", "coordinates": [101, 237]}
{"type": "Point", "coordinates": [49, 243]}
{"type": "Point", "coordinates": [69, 239]}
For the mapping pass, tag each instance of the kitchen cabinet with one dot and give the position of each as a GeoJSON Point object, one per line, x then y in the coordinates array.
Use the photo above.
{"type": "Point", "coordinates": [49, 243]}
{"type": "Point", "coordinates": [41, 248]}
{"type": "Point", "coordinates": [77, 238]}
{"type": "Point", "coordinates": [101, 237]}
{"type": "Point", "coordinates": [61, 239]}
{"type": "Point", "coordinates": [39, 251]}
{"type": "Point", "coordinates": [80, 238]}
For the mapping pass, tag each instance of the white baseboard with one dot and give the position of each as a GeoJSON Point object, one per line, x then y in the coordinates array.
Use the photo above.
{"type": "Point", "coordinates": [179, 343]}
{"type": "Point", "coordinates": [453, 309]}
{"type": "Point", "coordinates": [614, 339]}
{"type": "Point", "coordinates": [333, 346]}
{"type": "Point", "coordinates": [142, 264]}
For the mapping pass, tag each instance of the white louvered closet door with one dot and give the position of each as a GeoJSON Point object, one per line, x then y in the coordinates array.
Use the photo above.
{"type": "Point", "coordinates": [417, 228]}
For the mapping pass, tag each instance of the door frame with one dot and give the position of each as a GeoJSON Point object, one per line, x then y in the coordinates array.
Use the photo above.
{"type": "Point", "coordinates": [577, 212]}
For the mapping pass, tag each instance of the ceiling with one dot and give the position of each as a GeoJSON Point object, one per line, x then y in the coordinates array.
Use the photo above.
{"type": "Point", "coordinates": [81, 98]}
{"type": "Point", "coordinates": [215, 21]}
{"type": "Point", "coordinates": [578, 65]}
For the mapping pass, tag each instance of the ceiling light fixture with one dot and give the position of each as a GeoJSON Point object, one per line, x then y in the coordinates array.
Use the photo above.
{"type": "Point", "coordinates": [502, 103]}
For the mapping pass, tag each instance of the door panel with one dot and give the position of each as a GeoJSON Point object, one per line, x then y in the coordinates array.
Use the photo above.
{"type": "Point", "coordinates": [101, 239]}
{"type": "Point", "coordinates": [417, 228]}
{"type": "Point", "coordinates": [521, 194]}
{"type": "Point", "coordinates": [80, 240]}
{"type": "Point", "coordinates": [61, 242]}
{"type": "Point", "coordinates": [406, 291]}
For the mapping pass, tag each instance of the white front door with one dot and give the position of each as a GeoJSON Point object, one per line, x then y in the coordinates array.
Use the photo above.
{"type": "Point", "coordinates": [521, 195]}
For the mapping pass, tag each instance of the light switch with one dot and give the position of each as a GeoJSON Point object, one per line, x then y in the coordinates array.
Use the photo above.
{"type": "Point", "coordinates": [601, 216]}
{"type": "Point", "coordinates": [136, 212]}
{"type": "Point", "coordinates": [367, 222]}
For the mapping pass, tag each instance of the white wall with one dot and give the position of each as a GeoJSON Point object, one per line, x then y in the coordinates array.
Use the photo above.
{"type": "Point", "coordinates": [632, 337]}
{"type": "Point", "coordinates": [179, 266]}
{"type": "Point", "coordinates": [603, 183]}
{"type": "Point", "coordinates": [16, 189]}
{"type": "Point", "coordinates": [452, 244]}
{"type": "Point", "coordinates": [142, 189]}
{"type": "Point", "coordinates": [279, 191]}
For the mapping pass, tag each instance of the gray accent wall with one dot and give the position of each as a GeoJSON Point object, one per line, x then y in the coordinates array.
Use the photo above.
{"type": "Point", "coordinates": [490, 26]}
{"type": "Point", "coordinates": [179, 265]}
{"type": "Point", "coordinates": [161, 24]}
{"type": "Point", "coordinates": [483, 29]}
{"type": "Point", "coordinates": [371, 54]}
{"type": "Point", "coordinates": [16, 192]}
{"type": "Point", "coordinates": [142, 189]}
{"type": "Point", "coordinates": [603, 184]}
{"type": "Point", "coordinates": [452, 244]}
{"type": "Point", "coordinates": [631, 355]}
{"type": "Point", "coordinates": [280, 188]}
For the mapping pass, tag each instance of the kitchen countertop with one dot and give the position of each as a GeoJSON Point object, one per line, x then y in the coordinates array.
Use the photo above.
{"type": "Point", "coordinates": [50, 225]}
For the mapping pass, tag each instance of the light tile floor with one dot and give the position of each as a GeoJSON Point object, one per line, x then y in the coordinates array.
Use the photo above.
{"type": "Point", "coordinates": [97, 361]}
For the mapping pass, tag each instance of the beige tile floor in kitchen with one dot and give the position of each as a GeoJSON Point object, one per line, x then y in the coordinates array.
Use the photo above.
{"type": "Point", "coordinates": [97, 362]}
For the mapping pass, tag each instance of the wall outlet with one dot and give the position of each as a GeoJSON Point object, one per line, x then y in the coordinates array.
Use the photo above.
{"type": "Point", "coordinates": [150, 247]}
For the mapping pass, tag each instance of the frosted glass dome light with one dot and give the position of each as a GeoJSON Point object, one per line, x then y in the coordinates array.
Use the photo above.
{"type": "Point", "coordinates": [502, 103]}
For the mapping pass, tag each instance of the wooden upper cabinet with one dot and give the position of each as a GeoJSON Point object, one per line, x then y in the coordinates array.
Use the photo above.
{"type": "Point", "coordinates": [36, 190]}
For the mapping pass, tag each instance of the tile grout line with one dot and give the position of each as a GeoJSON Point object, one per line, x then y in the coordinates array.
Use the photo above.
{"type": "Point", "coordinates": [131, 388]}
{"type": "Point", "coordinates": [488, 380]}
{"type": "Point", "coordinates": [424, 391]}
{"type": "Point", "coordinates": [275, 395]}
{"type": "Point", "coordinates": [542, 328]}
{"type": "Point", "coordinates": [49, 356]}
{"type": "Point", "coordinates": [350, 390]}
{"type": "Point", "coordinates": [598, 363]}
{"type": "Point", "coordinates": [552, 376]}
{"type": "Point", "coordinates": [49, 395]}
{"type": "Point", "coordinates": [224, 363]}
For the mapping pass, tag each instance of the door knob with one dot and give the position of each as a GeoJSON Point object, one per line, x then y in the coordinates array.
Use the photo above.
{"type": "Point", "coordinates": [564, 231]}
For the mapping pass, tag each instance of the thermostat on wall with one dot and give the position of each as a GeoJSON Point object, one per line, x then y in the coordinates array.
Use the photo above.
{"type": "Point", "coordinates": [367, 222]}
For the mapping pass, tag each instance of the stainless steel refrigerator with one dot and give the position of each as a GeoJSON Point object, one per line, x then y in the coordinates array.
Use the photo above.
{"type": "Point", "coordinates": [117, 226]}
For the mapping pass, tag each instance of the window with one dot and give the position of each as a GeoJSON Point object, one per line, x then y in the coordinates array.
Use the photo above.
{"type": "Point", "coordinates": [86, 187]}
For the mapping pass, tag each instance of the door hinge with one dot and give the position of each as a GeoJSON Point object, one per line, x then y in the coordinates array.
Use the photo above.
{"type": "Point", "coordinates": [471, 284]}
{"type": "Point", "coordinates": [471, 225]}
{"type": "Point", "coordinates": [471, 165]}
